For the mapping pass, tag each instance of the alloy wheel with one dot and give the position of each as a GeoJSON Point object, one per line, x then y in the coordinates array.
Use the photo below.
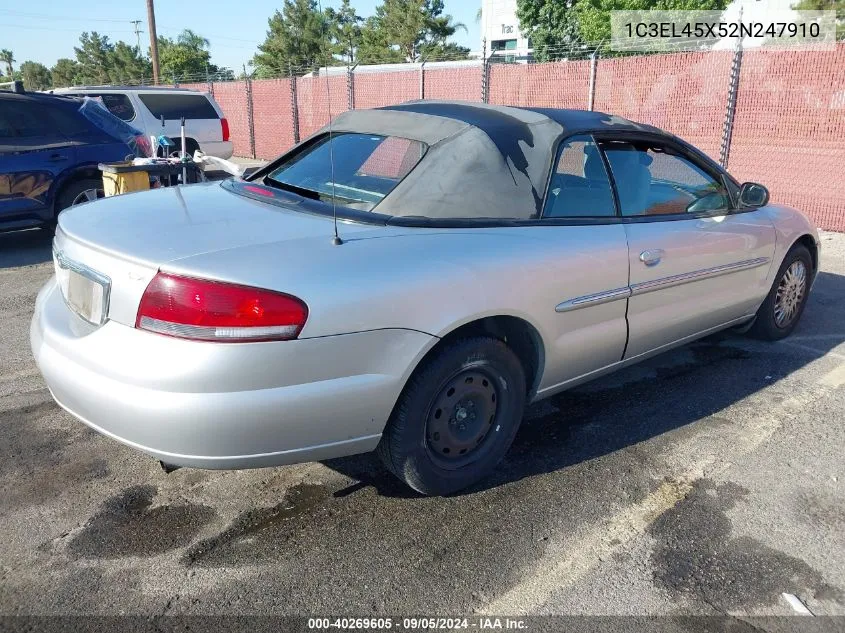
{"type": "Point", "coordinates": [790, 294]}
{"type": "Point", "coordinates": [88, 195]}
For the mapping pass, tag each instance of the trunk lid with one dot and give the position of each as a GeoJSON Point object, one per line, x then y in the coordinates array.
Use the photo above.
{"type": "Point", "coordinates": [171, 223]}
{"type": "Point", "coordinates": [126, 239]}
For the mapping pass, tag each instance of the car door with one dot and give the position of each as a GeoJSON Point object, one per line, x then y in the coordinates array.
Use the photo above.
{"type": "Point", "coordinates": [33, 152]}
{"type": "Point", "coordinates": [588, 331]}
{"type": "Point", "coordinates": [696, 262]}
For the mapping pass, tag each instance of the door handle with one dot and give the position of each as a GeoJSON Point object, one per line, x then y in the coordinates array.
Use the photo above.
{"type": "Point", "coordinates": [652, 256]}
{"type": "Point", "coordinates": [58, 157]}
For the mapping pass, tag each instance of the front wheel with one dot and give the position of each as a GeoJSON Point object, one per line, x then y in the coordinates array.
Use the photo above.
{"type": "Point", "coordinates": [785, 303]}
{"type": "Point", "coordinates": [79, 191]}
{"type": "Point", "coordinates": [457, 416]}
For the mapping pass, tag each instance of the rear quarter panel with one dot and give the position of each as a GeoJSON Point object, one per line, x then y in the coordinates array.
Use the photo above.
{"type": "Point", "coordinates": [433, 281]}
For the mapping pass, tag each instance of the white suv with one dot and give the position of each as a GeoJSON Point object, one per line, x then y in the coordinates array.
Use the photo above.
{"type": "Point", "coordinates": [206, 127]}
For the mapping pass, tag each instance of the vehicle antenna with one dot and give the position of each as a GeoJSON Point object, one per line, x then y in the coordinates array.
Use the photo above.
{"type": "Point", "coordinates": [336, 239]}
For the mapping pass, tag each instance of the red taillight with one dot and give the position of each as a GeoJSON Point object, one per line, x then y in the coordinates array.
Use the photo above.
{"type": "Point", "coordinates": [224, 127]}
{"type": "Point", "coordinates": [214, 311]}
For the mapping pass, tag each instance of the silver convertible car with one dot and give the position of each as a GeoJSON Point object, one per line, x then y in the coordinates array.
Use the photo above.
{"type": "Point", "coordinates": [486, 257]}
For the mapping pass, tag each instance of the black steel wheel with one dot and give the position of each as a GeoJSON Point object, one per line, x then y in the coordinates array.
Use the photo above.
{"type": "Point", "coordinates": [457, 416]}
{"type": "Point", "coordinates": [461, 418]}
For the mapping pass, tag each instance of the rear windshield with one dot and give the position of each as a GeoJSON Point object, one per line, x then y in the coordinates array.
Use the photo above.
{"type": "Point", "coordinates": [96, 113]}
{"type": "Point", "coordinates": [176, 106]}
{"type": "Point", "coordinates": [366, 168]}
{"type": "Point", "coordinates": [118, 104]}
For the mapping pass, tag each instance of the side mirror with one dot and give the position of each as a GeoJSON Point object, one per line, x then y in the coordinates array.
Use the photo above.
{"type": "Point", "coordinates": [753, 195]}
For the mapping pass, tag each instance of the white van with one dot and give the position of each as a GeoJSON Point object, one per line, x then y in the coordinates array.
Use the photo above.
{"type": "Point", "coordinates": [206, 127]}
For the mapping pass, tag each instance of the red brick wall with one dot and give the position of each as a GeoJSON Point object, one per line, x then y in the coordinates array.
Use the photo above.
{"type": "Point", "coordinates": [463, 84]}
{"type": "Point", "coordinates": [552, 85]}
{"type": "Point", "coordinates": [231, 97]}
{"type": "Point", "coordinates": [271, 110]}
{"type": "Point", "coordinates": [683, 93]}
{"type": "Point", "coordinates": [789, 132]}
{"type": "Point", "coordinates": [316, 97]}
{"type": "Point", "coordinates": [380, 89]}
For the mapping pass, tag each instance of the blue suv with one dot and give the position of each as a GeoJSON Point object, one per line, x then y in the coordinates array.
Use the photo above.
{"type": "Point", "coordinates": [49, 150]}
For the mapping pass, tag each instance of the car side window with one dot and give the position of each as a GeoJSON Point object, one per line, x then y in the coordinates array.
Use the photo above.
{"type": "Point", "coordinates": [579, 186]}
{"type": "Point", "coordinates": [25, 120]}
{"type": "Point", "coordinates": [654, 180]}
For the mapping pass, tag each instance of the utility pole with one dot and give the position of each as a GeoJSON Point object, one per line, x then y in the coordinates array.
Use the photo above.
{"type": "Point", "coordinates": [151, 22]}
{"type": "Point", "coordinates": [137, 33]}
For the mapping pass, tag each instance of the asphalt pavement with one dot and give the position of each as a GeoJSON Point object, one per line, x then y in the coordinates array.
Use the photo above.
{"type": "Point", "coordinates": [708, 480]}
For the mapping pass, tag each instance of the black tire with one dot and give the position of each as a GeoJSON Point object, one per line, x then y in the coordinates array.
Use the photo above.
{"type": "Point", "coordinates": [190, 144]}
{"type": "Point", "coordinates": [490, 383]}
{"type": "Point", "coordinates": [73, 190]}
{"type": "Point", "coordinates": [767, 325]}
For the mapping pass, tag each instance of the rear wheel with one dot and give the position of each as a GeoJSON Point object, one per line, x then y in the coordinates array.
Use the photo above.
{"type": "Point", "coordinates": [784, 304]}
{"type": "Point", "coordinates": [190, 147]}
{"type": "Point", "coordinates": [456, 418]}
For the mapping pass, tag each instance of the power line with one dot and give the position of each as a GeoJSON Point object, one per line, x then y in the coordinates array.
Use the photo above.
{"type": "Point", "coordinates": [63, 18]}
{"type": "Point", "coordinates": [53, 28]}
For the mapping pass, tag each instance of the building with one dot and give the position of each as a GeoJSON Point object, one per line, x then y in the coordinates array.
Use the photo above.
{"type": "Point", "coordinates": [500, 30]}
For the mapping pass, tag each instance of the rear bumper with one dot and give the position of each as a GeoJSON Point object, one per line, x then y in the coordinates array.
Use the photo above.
{"type": "Point", "coordinates": [220, 149]}
{"type": "Point", "coordinates": [221, 406]}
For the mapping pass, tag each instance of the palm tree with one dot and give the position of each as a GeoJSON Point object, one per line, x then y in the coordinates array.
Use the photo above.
{"type": "Point", "coordinates": [8, 58]}
{"type": "Point", "coordinates": [192, 40]}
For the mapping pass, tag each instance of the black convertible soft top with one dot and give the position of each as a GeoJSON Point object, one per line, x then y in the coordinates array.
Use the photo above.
{"type": "Point", "coordinates": [483, 161]}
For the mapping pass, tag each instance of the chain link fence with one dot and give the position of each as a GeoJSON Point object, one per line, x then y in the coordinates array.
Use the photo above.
{"type": "Point", "coordinates": [772, 116]}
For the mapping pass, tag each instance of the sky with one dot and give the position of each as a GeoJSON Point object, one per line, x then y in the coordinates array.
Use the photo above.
{"type": "Point", "coordinates": [44, 32]}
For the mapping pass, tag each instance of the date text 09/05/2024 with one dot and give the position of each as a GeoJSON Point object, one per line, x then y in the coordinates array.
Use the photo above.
{"type": "Point", "coordinates": [419, 623]}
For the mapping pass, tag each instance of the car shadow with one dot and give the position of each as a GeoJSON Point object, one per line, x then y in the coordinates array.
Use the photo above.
{"type": "Point", "coordinates": [25, 248]}
{"type": "Point", "coordinates": [686, 386]}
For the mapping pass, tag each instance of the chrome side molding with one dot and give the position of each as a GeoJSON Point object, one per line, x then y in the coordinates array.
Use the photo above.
{"type": "Point", "coordinates": [658, 284]}
{"type": "Point", "coordinates": [594, 299]}
{"type": "Point", "coordinates": [696, 275]}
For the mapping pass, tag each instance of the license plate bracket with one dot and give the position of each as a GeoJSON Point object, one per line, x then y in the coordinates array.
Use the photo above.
{"type": "Point", "coordinates": [85, 291]}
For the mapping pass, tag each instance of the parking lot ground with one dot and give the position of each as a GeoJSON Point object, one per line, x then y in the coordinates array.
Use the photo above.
{"type": "Point", "coordinates": [708, 480]}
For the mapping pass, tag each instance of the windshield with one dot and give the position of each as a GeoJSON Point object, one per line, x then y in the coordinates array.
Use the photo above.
{"type": "Point", "coordinates": [366, 168]}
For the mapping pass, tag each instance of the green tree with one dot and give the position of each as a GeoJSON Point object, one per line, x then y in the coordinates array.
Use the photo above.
{"type": "Point", "coordinates": [375, 47]}
{"type": "Point", "coordinates": [551, 24]}
{"type": "Point", "coordinates": [186, 57]}
{"type": "Point", "coordinates": [126, 65]}
{"type": "Point", "coordinates": [826, 5]}
{"type": "Point", "coordinates": [64, 73]}
{"type": "Point", "coordinates": [345, 31]}
{"type": "Point", "coordinates": [414, 28]}
{"type": "Point", "coordinates": [594, 15]}
{"type": "Point", "coordinates": [8, 58]}
{"type": "Point", "coordinates": [35, 76]}
{"type": "Point", "coordinates": [448, 51]}
{"type": "Point", "coordinates": [297, 39]}
{"type": "Point", "coordinates": [94, 56]}
{"type": "Point", "coordinates": [556, 25]}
